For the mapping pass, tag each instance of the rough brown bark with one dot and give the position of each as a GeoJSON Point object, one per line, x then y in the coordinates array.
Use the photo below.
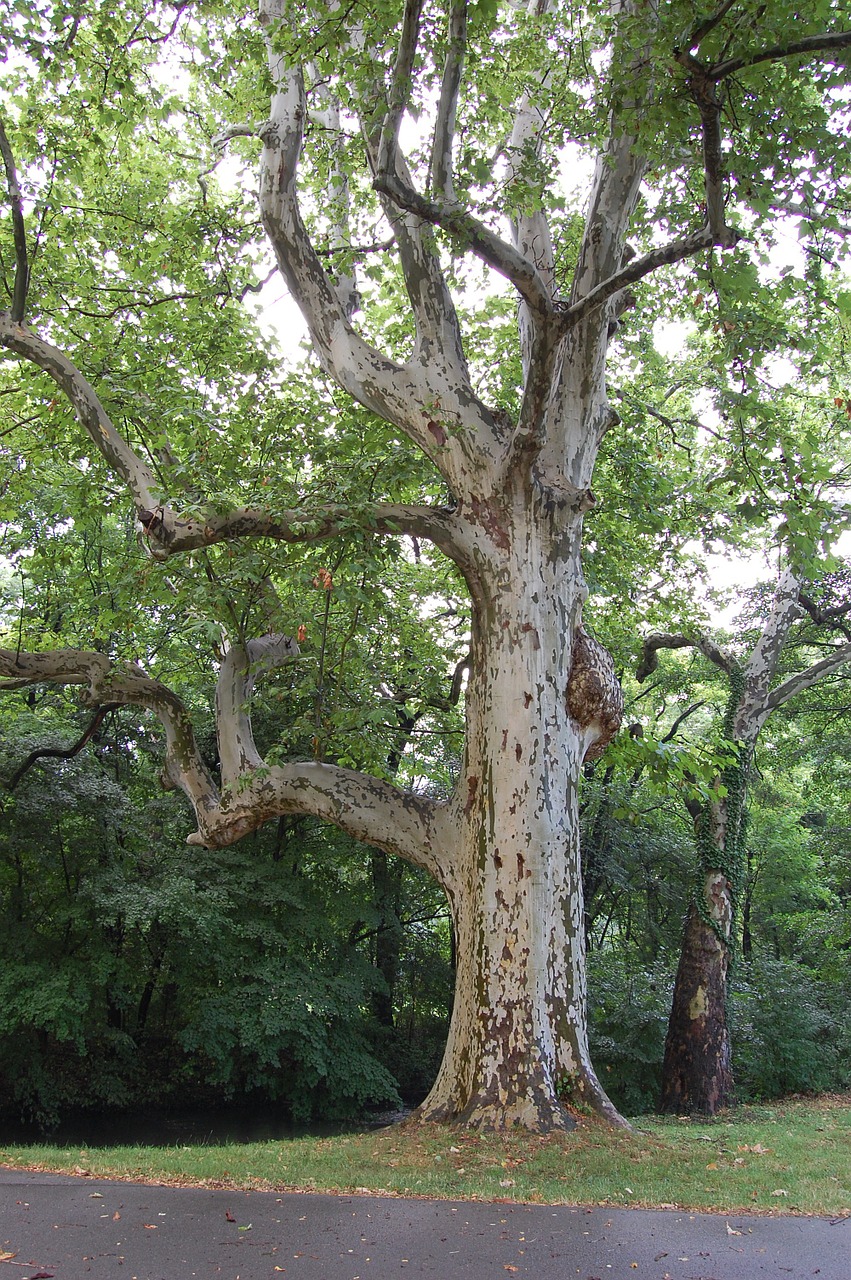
{"type": "Point", "coordinates": [697, 1071]}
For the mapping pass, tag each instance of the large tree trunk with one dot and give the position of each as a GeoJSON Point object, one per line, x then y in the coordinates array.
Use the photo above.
{"type": "Point", "coordinates": [540, 692]}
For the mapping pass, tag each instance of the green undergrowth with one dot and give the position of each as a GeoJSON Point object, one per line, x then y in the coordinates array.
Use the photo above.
{"type": "Point", "coordinates": [792, 1157]}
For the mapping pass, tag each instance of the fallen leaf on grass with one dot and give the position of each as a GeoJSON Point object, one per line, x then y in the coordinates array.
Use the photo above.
{"type": "Point", "coordinates": [780, 1192]}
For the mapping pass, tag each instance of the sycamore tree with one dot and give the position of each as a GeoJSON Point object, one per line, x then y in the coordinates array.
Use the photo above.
{"type": "Point", "coordinates": [414, 158]}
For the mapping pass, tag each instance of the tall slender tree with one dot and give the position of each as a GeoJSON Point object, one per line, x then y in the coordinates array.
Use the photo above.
{"type": "Point", "coordinates": [698, 1068]}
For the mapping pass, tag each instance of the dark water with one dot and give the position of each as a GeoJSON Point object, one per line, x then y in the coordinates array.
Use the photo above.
{"type": "Point", "coordinates": [181, 1128]}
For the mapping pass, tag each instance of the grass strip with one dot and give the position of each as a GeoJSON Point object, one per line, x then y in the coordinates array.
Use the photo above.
{"type": "Point", "coordinates": [792, 1157]}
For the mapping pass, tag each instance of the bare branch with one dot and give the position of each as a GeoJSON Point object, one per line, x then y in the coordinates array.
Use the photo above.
{"type": "Point", "coordinates": [62, 753]}
{"type": "Point", "coordinates": [805, 679]}
{"type": "Point", "coordinates": [442, 181]}
{"type": "Point", "coordinates": [704, 644]}
{"type": "Point", "coordinates": [22, 266]}
{"type": "Point", "coordinates": [808, 44]}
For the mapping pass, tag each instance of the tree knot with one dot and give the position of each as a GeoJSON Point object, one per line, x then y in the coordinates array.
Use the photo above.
{"type": "Point", "coordinates": [594, 697]}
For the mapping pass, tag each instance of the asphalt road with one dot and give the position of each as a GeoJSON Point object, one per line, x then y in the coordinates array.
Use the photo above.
{"type": "Point", "coordinates": [80, 1228]}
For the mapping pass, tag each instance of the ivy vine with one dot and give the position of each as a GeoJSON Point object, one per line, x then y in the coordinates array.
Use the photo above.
{"type": "Point", "coordinates": [730, 859]}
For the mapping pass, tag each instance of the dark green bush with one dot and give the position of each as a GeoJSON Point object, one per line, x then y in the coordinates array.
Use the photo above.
{"type": "Point", "coordinates": [629, 1003]}
{"type": "Point", "coordinates": [790, 1031]}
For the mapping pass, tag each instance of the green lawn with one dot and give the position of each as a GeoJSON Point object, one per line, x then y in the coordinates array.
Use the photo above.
{"type": "Point", "coordinates": [794, 1156]}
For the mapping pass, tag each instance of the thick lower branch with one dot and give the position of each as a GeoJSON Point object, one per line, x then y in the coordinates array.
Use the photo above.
{"type": "Point", "coordinates": [125, 683]}
{"type": "Point", "coordinates": [367, 808]}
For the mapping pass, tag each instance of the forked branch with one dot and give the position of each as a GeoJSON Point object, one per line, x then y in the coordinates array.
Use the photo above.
{"type": "Point", "coordinates": [367, 808]}
{"type": "Point", "coordinates": [504, 258]}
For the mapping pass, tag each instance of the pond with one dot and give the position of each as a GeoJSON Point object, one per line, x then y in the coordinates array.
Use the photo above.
{"type": "Point", "coordinates": [209, 1127]}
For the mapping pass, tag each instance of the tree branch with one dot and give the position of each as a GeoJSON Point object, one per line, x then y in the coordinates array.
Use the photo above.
{"type": "Point", "coordinates": [238, 674]}
{"type": "Point", "coordinates": [397, 186]}
{"type": "Point", "coordinates": [22, 266]}
{"type": "Point", "coordinates": [62, 753]}
{"type": "Point", "coordinates": [405, 395]}
{"type": "Point", "coordinates": [702, 29]}
{"type": "Point", "coordinates": [805, 679]}
{"type": "Point", "coordinates": [808, 44]}
{"type": "Point", "coordinates": [636, 270]}
{"type": "Point", "coordinates": [658, 640]}
{"type": "Point", "coordinates": [140, 480]}
{"type": "Point", "coordinates": [105, 681]}
{"type": "Point", "coordinates": [494, 252]}
{"type": "Point", "coordinates": [442, 179]}
{"type": "Point", "coordinates": [369, 809]}
{"type": "Point", "coordinates": [400, 85]}
{"type": "Point", "coordinates": [168, 531]}
{"type": "Point", "coordinates": [827, 617]}
{"type": "Point", "coordinates": [761, 666]}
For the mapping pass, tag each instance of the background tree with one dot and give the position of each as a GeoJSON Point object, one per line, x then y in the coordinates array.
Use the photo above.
{"type": "Point", "coordinates": [509, 483]}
